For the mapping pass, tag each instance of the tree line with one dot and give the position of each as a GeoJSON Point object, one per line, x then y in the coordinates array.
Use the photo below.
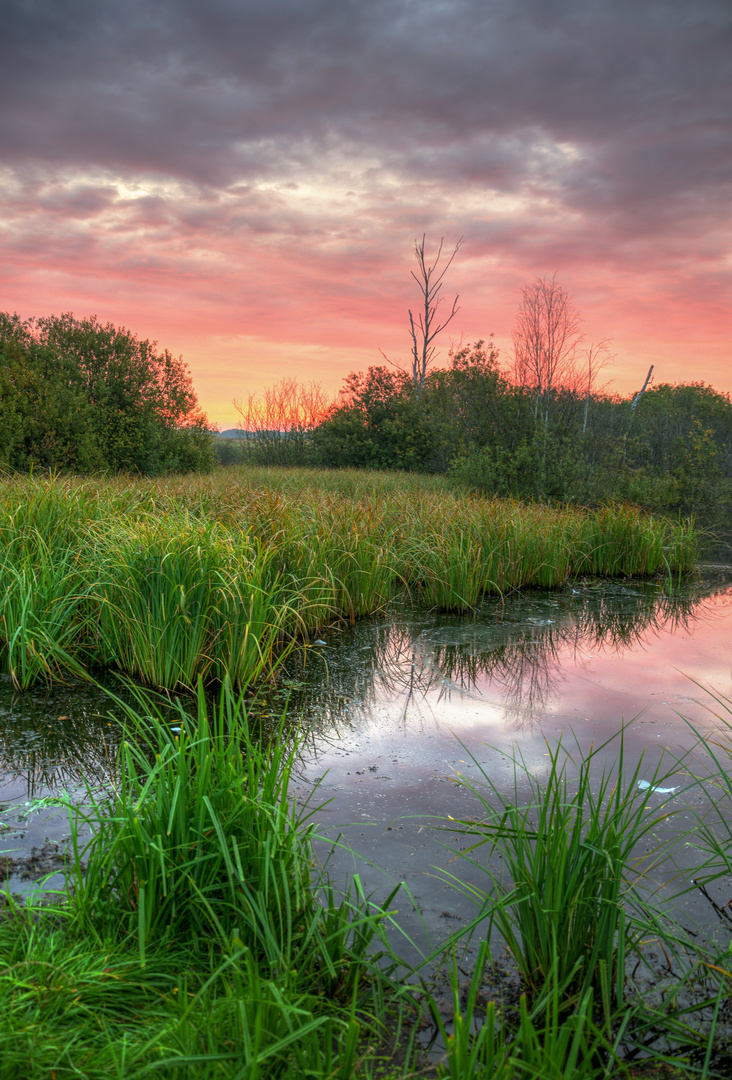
{"type": "Point", "coordinates": [541, 426]}
{"type": "Point", "coordinates": [504, 435]}
{"type": "Point", "coordinates": [80, 396]}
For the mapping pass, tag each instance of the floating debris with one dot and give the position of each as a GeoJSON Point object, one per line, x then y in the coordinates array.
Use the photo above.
{"type": "Point", "coordinates": [645, 786]}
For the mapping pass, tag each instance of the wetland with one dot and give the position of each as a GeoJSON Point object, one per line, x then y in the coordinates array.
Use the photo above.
{"type": "Point", "coordinates": [411, 669]}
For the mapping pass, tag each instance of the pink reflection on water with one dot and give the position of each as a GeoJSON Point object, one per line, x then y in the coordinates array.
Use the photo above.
{"type": "Point", "coordinates": [581, 688]}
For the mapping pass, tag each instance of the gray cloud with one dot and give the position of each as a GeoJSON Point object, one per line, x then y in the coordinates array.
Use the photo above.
{"type": "Point", "coordinates": [220, 91]}
{"type": "Point", "coordinates": [270, 160]}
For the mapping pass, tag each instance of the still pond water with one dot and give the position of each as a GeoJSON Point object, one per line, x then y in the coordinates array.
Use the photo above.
{"type": "Point", "coordinates": [398, 708]}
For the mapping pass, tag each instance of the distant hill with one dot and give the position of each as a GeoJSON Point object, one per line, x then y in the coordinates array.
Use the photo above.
{"type": "Point", "coordinates": [237, 433]}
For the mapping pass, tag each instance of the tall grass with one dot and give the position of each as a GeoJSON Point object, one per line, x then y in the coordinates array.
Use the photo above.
{"type": "Point", "coordinates": [197, 934]}
{"type": "Point", "coordinates": [578, 848]}
{"type": "Point", "coordinates": [43, 619]}
{"type": "Point", "coordinates": [183, 600]}
{"type": "Point", "coordinates": [545, 1042]}
{"type": "Point", "coordinates": [568, 852]}
{"type": "Point", "coordinates": [173, 580]}
{"type": "Point", "coordinates": [711, 837]}
{"type": "Point", "coordinates": [201, 841]}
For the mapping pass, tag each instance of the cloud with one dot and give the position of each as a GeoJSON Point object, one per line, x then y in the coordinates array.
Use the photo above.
{"type": "Point", "coordinates": [288, 151]}
{"type": "Point", "coordinates": [224, 90]}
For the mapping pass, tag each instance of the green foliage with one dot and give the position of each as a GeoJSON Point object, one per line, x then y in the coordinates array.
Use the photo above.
{"type": "Point", "coordinates": [381, 425]}
{"type": "Point", "coordinates": [81, 396]}
{"type": "Point", "coordinates": [42, 615]}
{"type": "Point", "coordinates": [566, 852]}
{"type": "Point", "coordinates": [382, 422]}
{"type": "Point", "coordinates": [184, 600]}
{"type": "Point", "coordinates": [203, 938]}
{"type": "Point", "coordinates": [199, 938]}
{"type": "Point", "coordinates": [216, 578]}
{"type": "Point", "coordinates": [674, 452]}
{"type": "Point", "coordinates": [572, 891]}
{"type": "Point", "coordinates": [202, 843]}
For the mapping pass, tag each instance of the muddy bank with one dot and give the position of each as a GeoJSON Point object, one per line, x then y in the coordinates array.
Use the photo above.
{"type": "Point", "coordinates": [51, 858]}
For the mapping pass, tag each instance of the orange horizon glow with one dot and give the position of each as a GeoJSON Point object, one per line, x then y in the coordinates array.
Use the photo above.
{"type": "Point", "coordinates": [232, 355]}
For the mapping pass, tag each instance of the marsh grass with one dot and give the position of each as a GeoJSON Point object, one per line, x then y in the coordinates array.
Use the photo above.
{"type": "Point", "coordinates": [215, 577]}
{"type": "Point", "coordinates": [183, 601]}
{"type": "Point", "coordinates": [43, 617]}
{"type": "Point", "coordinates": [706, 958]}
{"type": "Point", "coordinates": [544, 1040]}
{"type": "Point", "coordinates": [78, 1006]}
{"type": "Point", "coordinates": [570, 858]}
{"type": "Point", "coordinates": [574, 905]}
{"type": "Point", "coordinates": [197, 934]}
{"type": "Point", "coordinates": [203, 841]}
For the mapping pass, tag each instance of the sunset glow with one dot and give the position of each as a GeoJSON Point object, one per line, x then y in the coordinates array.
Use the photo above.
{"type": "Point", "coordinates": [243, 181]}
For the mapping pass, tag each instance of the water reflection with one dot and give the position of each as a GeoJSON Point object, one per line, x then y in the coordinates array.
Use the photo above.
{"type": "Point", "coordinates": [519, 645]}
{"type": "Point", "coordinates": [54, 740]}
{"type": "Point", "coordinates": [51, 739]}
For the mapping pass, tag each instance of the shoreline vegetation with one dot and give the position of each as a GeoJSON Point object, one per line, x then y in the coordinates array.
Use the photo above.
{"type": "Point", "coordinates": [197, 934]}
{"type": "Point", "coordinates": [490, 429]}
{"type": "Point", "coordinates": [83, 398]}
{"type": "Point", "coordinates": [218, 576]}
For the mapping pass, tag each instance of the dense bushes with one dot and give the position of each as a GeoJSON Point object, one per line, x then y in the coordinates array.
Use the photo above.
{"type": "Point", "coordinates": [80, 396]}
{"type": "Point", "coordinates": [673, 451]}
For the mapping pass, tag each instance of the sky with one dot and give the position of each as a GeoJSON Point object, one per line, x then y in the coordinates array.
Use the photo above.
{"type": "Point", "coordinates": [244, 180]}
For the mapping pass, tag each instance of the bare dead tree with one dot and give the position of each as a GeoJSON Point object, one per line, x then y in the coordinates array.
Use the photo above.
{"type": "Point", "coordinates": [634, 405]}
{"type": "Point", "coordinates": [278, 423]}
{"type": "Point", "coordinates": [425, 326]}
{"type": "Point", "coordinates": [636, 400]}
{"type": "Point", "coordinates": [545, 338]}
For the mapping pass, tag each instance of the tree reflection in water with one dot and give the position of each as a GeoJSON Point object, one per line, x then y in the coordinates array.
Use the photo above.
{"type": "Point", "coordinates": [515, 643]}
{"type": "Point", "coordinates": [57, 739]}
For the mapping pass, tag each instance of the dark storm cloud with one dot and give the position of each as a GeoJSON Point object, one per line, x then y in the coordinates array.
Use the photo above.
{"type": "Point", "coordinates": [617, 111]}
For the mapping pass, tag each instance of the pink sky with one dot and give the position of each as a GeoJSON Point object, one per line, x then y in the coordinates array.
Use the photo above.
{"type": "Point", "coordinates": [244, 182]}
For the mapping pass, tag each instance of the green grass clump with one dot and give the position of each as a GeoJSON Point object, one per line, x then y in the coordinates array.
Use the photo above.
{"type": "Point", "coordinates": [43, 614]}
{"type": "Point", "coordinates": [571, 893]}
{"type": "Point", "coordinates": [197, 935]}
{"type": "Point", "coordinates": [214, 577]}
{"type": "Point", "coordinates": [184, 600]}
{"type": "Point", "coordinates": [202, 842]}
{"type": "Point", "coordinates": [567, 853]}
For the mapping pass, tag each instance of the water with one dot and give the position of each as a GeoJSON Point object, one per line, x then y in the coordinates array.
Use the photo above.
{"type": "Point", "coordinates": [400, 710]}
{"type": "Point", "coordinates": [56, 744]}
{"type": "Point", "coordinates": [415, 704]}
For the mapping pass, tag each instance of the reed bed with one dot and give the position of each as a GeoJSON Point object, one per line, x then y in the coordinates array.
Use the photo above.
{"type": "Point", "coordinates": [214, 577]}
{"type": "Point", "coordinates": [569, 853]}
{"type": "Point", "coordinates": [572, 897]}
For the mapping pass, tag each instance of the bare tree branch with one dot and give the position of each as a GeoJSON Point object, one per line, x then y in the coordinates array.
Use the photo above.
{"type": "Point", "coordinates": [279, 423]}
{"type": "Point", "coordinates": [634, 403]}
{"type": "Point", "coordinates": [545, 338]}
{"type": "Point", "coordinates": [425, 326]}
